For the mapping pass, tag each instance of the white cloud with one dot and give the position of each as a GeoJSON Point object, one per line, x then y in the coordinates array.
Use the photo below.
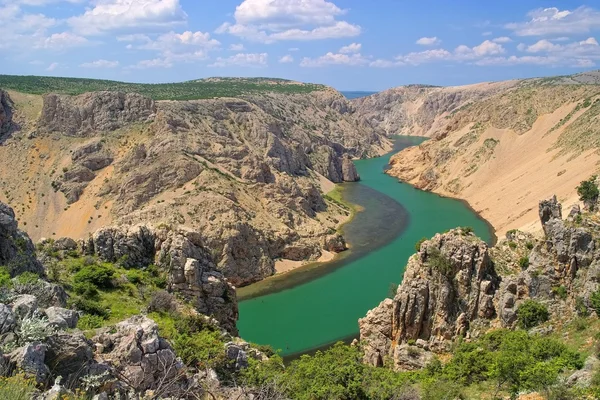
{"type": "Point", "coordinates": [542, 46]}
{"type": "Point", "coordinates": [181, 41]}
{"type": "Point", "coordinates": [125, 15]}
{"type": "Point", "coordinates": [351, 48]}
{"type": "Point", "coordinates": [61, 41]}
{"type": "Point", "coordinates": [242, 60]}
{"type": "Point", "coordinates": [237, 47]}
{"type": "Point", "coordinates": [268, 21]}
{"type": "Point", "coordinates": [422, 57]}
{"type": "Point", "coordinates": [52, 66]}
{"type": "Point", "coordinates": [382, 64]}
{"type": "Point", "coordinates": [286, 59]}
{"type": "Point", "coordinates": [293, 49]}
{"type": "Point", "coordinates": [502, 39]}
{"type": "Point", "coordinates": [552, 21]}
{"type": "Point", "coordinates": [153, 63]}
{"type": "Point", "coordinates": [335, 59]}
{"type": "Point", "coordinates": [40, 2]}
{"type": "Point", "coordinates": [100, 64]}
{"type": "Point", "coordinates": [429, 41]}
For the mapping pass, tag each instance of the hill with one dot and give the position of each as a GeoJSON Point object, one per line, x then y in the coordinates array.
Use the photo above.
{"type": "Point", "coordinates": [499, 145]}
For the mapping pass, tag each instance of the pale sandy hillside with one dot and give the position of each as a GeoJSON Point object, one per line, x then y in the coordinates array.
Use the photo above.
{"type": "Point", "coordinates": [502, 147]}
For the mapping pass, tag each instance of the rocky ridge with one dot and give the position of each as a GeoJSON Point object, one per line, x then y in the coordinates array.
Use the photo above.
{"type": "Point", "coordinates": [456, 286]}
{"type": "Point", "coordinates": [247, 174]}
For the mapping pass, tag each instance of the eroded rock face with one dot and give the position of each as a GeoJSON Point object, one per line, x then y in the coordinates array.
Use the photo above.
{"type": "Point", "coordinates": [93, 112]}
{"type": "Point", "coordinates": [448, 284]}
{"type": "Point", "coordinates": [550, 209]}
{"type": "Point", "coordinates": [16, 248]}
{"type": "Point", "coordinates": [5, 113]}
{"type": "Point", "coordinates": [191, 272]}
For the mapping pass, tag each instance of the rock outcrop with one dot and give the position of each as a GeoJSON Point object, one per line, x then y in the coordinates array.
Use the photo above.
{"type": "Point", "coordinates": [191, 272]}
{"type": "Point", "coordinates": [94, 112]}
{"type": "Point", "coordinates": [448, 284]}
{"type": "Point", "coordinates": [17, 252]}
{"type": "Point", "coordinates": [5, 113]}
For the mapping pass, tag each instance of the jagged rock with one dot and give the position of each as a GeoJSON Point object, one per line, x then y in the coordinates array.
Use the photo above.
{"type": "Point", "coordinates": [236, 355]}
{"type": "Point", "coordinates": [69, 355]}
{"type": "Point", "coordinates": [133, 247]}
{"type": "Point", "coordinates": [30, 359]}
{"type": "Point", "coordinates": [16, 248]}
{"type": "Point", "coordinates": [334, 243]}
{"type": "Point", "coordinates": [5, 113]}
{"type": "Point", "coordinates": [574, 213]}
{"type": "Point", "coordinates": [7, 319]}
{"type": "Point", "coordinates": [62, 318]}
{"type": "Point", "coordinates": [47, 294]}
{"type": "Point", "coordinates": [448, 284]}
{"type": "Point", "coordinates": [93, 112]}
{"type": "Point", "coordinates": [411, 358]}
{"type": "Point", "coordinates": [549, 209]}
{"type": "Point", "coordinates": [583, 377]}
{"type": "Point", "coordinates": [65, 244]}
{"type": "Point", "coordinates": [349, 173]}
{"type": "Point", "coordinates": [24, 305]}
{"type": "Point", "coordinates": [137, 353]}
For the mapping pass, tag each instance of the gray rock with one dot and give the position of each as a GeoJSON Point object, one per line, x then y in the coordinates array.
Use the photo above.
{"type": "Point", "coordinates": [24, 306]}
{"type": "Point", "coordinates": [30, 359]}
{"type": "Point", "coordinates": [69, 355]}
{"type": "Point", "coordinates": [65, 244]}
{"type": "Point", "coordinates": [548, 210]}
{"type": "Point", "coordinates": [349, 173]}
{"type": "Point", "coordinates": [62, 318]}
{"type": "Point", "coordinates": [574, 213]}
{"type": "Point", "coordinates": [6, 106]}
{"type": "Point", "coordinates": [17, 251]}
{"type": "Point", "coordinates": [7, 319]}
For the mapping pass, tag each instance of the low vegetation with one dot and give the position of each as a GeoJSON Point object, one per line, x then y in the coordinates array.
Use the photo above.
{"type": "Point", "coordinates": [190, 90]}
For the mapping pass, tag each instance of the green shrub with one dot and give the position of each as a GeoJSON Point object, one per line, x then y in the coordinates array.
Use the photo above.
{"type": "Point", "coordinates": [524, 262]}
{"type": "Point", "coordinates": [439, 262]}
{"type": "Point", "coordinates": [204, 349]}
{"type": "Point", "coordinates": [560, 292]}
{"type": "Point", "coordinates": [17, 387]}
{"type": "Point", "coordinates": [86, 289]}
{"type": "Point", "coordinates": [27, 278]}
{"type": "Point", "coordinates": [529, 245]}
{"type": "Point", "coordinates": [5, 280]}
{"type": "Point", "coordinates": [595, 301]}
{"type": "Point", "coordinates": [162, 301]}
{"type": "Point", "coordinates": [135, 276]}
{"type": "Point", "coordinates": [530, 313]}
{"type": "Point", "coordinates": [90, 307]}
{"type": "Point", "coordinates": [512, 245]}
{"type": "Point", "coordinates": [466, 230]}
{"type": "Point", "coordinates": [419, 243]}
{"type": "Point", "coordinates": [588, 191]}
{"type": "Point", "coordinates": [90, 321]}
{"type": "Point", "coordinates": [99, 275]}
{"type": "Point", "coordinates": [581, 308]}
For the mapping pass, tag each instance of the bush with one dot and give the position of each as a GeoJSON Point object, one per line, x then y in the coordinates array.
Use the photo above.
{"type": "Point", "coordinates": [34, 329]}
{"type": "Point", "coordinates": [17, 387]}
{"type": "Point", "coordinates": [203, 349]}
{"type": "Point", "coordinates": [89, 321]}
{"type": "Point", "coordinates": [90, 307]}
{"type": "Point", "coordinates": [86, 289]}
{"type": "Point", "coordinates": [439, 262]}
{"type": "Point", "coordinates": [560, 292]}
{"type": "Point", "coordinates": [162, 301]}
{"type": "Point", "coordinates": [588, 191]}
{"type": "Point", "coordinates": [135, 276]}
{"type": "Point", "coordinates": [595, 301]}
{"type": "Point", "coordinates": [581, 308]}
{"type": "Point", "coordinates": [99, 275]}
{"type": "Point", "coordinates": [531, 313]}
{"type": "Point", "coordinates": [27, 278]}
{"type": "Point", "coordinates": [5, 280]}
{"type": "Point", "coordinates": [419, 243]}
{"type": "Point", "coordinates": [524, 262]}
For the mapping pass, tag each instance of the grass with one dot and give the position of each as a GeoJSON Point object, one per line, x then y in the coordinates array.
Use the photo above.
{"type": "Point", "coordinates": [190, 90]}
{"type": "Point", "coordinates": [336, 197]}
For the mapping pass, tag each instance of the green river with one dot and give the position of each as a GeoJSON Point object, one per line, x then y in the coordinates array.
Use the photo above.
{"type": "Point", "coordinates": [318, 305]}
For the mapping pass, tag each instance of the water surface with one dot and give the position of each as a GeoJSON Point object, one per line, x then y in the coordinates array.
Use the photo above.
{"type": "Point", "coordinates": [321, 304]}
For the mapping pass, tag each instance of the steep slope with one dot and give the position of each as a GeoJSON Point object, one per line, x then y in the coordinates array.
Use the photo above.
{"type": "Point", "coordinates": [245, 173]}
{"type": "Point", "coordinates": [500, 146]}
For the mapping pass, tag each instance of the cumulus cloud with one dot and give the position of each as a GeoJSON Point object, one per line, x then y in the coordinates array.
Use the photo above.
{"type": "Point", "coordinates": [335, 59]}
{"type": "Point", "coordinates": [286, 59]}
{"type": "Point", "coordinates": [351, 48]}
{"type": "Point", "coordinates": [542, 46]}
{"type": "Point", "coordinates": [100, 64]}
{"type": "Point", "coordinates": [153, 63]}
{"type": "Point", "coordinates": [429, 41]}
{"type": "Point", "coordinates": [237, 47]}
{"type": "Point", "coordinates": [502, 39]}
{"type": "Point", "coordinates": [39, 2]}
{"type": "Point", "coordinates": [52, 66]}
{"type": "Point", "coordinates": [242, 60]}
{"type": "Point", "coordinates": [61, 41]}
{"type": "Point", "coordinates": [553, 21]}
{"type": "Point", "coordinates": [126, 15]}
{"type": "Point", "coordinates": [268, 21]}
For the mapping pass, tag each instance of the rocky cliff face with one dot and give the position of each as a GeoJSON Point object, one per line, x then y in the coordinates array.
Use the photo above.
{"type": "Point", "coordinates": [247, 174]}
{"type": "Point", "coordinates": [452, 288]}
{"type": "Point", "coordinates": [17, 252]}
{"type": "Point", "coordinates": [542, 129]}
{"type": "Point", "coordinates": [5, 113]}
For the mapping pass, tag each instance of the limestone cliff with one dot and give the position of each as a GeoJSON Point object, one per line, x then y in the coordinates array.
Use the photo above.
{"type": "Point", "coordinates": [245, 173]}
{"type": "Point", "coordinates": [456, 286]}
{"type": "Point", "coordinates": [500, 146]}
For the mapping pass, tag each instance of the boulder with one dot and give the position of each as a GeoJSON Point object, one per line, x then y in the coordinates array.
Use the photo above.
{"type": "Point", "coordinates": [349, 173]}
{"type": "Point", "coordinates": [30, 359]}
{"type": "Point", "coordinates": [65, 244]}
{"type": "Point", "coordinates": [549, 209]}
{"type": "Point", "coordinates": [62, 318]}
{"type": "Point", "coordinates": [24, 306]}
{"type": "Point", "coordinates": [69, 355]}
{"type": "Point", "coordinates": [6, 106]}
{"type": "Point", "coordinates": [17, 251]}
{"type": "Point", "coordinates": [7, 319]}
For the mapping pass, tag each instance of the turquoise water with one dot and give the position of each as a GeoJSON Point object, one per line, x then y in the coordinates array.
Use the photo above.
{"type": "Point", "coordinates": [320, 305]}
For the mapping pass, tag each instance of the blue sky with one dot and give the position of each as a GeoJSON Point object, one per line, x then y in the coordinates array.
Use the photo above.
{"type": "Point", "coordinates": [348, 44]}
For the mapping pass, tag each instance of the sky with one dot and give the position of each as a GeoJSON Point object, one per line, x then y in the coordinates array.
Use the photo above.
{"type": "Point", "coordinates": [366, 45]}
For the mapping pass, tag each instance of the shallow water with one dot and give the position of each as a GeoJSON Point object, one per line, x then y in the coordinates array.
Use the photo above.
{"type": "Point", "coordinates": [321, 304]}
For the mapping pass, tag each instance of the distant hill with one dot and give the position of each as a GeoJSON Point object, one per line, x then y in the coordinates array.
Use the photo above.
{"type": "Point", "coordinates": [190, 90]}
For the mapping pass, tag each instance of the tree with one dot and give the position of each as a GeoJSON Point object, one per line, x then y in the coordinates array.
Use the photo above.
{"type": "Point", "coordinates": [531, 313]}
{"type": "Point", "coordinates": [588, 192]}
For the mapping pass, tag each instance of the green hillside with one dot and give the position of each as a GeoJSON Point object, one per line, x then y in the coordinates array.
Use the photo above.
{"type": "Point", "coordinates": [196, 89]}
